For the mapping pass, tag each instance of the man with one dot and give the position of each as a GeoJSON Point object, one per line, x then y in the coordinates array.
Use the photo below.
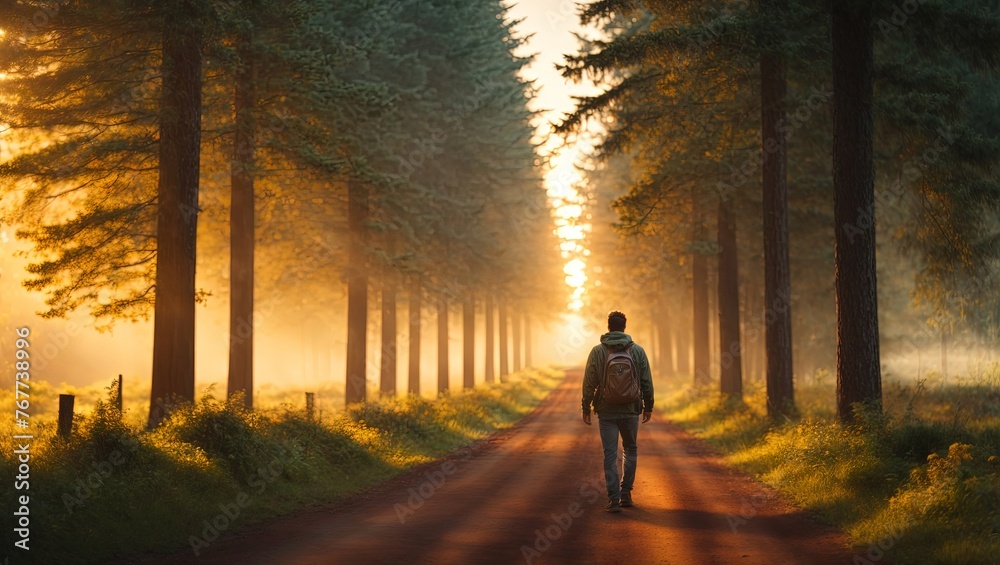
{"type": "Point", "coordinates": [616, 420]}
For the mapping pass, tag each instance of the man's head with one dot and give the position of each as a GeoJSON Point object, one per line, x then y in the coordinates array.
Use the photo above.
{"type": "Point", "coordinates": [616, 321]}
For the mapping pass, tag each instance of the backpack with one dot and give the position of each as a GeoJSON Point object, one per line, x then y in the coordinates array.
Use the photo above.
{"type": "Point", "coordinates": [621, 382]}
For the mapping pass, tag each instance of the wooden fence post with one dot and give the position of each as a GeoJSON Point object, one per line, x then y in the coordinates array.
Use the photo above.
{"type": "Point", "coordinates": [65, 414]}
{"type": "Point", "coordinates": [310, 405]}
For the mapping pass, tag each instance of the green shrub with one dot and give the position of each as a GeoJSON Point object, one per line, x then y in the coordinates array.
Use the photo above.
{"type": "Point", "coordinates": [921, 476]}
{"type": "Point", "coordinates": [113, 489]}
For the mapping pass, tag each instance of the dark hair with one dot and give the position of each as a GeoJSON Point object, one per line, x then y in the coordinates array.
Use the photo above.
{"type": "Point", "coordinates": [616, 321]}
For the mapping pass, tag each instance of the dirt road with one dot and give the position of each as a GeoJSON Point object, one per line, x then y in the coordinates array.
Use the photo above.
{"type": "Point", "coordinates": [534, 494]}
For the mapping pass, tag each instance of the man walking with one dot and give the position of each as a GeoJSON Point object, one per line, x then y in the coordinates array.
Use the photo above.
{"type": "Point", "coordinates": [618, 383]}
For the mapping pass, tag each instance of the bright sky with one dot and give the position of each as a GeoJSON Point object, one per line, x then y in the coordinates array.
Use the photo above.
{"type": "Point", "coordinates": [551, 25]}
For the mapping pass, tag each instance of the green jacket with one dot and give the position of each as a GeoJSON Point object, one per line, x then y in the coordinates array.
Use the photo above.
{"type": "Point", "coordinates": [594, 375]}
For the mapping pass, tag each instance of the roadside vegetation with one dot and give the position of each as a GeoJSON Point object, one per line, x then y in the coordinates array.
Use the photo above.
{"type": "Point", "coordinates": [917, 483]}
{"type": "Point", "coordinates": [114, 489]}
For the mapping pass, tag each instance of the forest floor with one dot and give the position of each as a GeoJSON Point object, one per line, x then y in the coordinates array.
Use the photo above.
{"type": "Point", "coordinates": [534, 494]}
{"type": "Point", "coordinates": [114, 489]}
{"type": "Point", "coordinates": [918, 482]}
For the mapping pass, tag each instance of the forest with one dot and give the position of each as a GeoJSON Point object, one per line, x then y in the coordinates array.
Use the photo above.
{"type": "Point", "coordinates": [734, 223]}
{"type": "Point", "coordinates": [303, 158]}
{"type": "Point", "coordinates": [341, 263]}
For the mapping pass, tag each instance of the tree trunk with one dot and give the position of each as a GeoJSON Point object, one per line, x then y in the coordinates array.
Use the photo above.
{"type": "Point", "coordinates": [682, 349]}
{"type": "Point", "coordinates": [502, 328]}
{"type": "Point", "coordinates": [469, 342]}
{"type": "Point", "coordinates": [756, 333]}
{"type": "Point", "coordinates": [859, 376]}
{"type": "Point", "coordinates": [515, 340]}
{"type": "Point", "coordinates": [777, 278]}
{"type": "Point", "coordinates": [699, 279]}
{"type": "Point", "coordinates": [713, 322]}
{"type": "Point", "coordinates": [416, 293]}
{"type": "Point", "coordinates": [177, 214]}
{"type": "Point", "coordinates": [355, 389]}
{"type": "Point", "coordinates": [442, 342]}
{"type": "Point", "coordinates": [730, 346]}
{"type": "Point", "coordinates": [944, 353]}
{"type": "Point", "coordinates": [750, 339]}
{"type": "Point", "coordinates": [527, 341]}
{"type": "Point", "coordinates": [389, 346]}
{"type": "Point", "coordinates": [653, 350]}
{"type": "Point", "coordinates": [241, 247]}
{"type": "Point", "coordinates": [488, 353]}
{"type": "Point", "coordinates": [666, 364]}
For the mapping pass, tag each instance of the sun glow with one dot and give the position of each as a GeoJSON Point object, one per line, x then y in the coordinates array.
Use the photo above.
{"type": "Point", "coordinates": [571, 225]}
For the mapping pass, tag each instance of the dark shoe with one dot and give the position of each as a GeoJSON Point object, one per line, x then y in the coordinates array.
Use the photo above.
{"type": "Point", "coordinates": [627, 500]}
{"type": "Point", "coordinates": [613, 506]}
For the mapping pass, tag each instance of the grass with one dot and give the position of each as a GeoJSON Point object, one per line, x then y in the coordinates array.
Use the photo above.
{"type": "Point", "coordinates": [919, 482]}
{"type": "Point", "coordinates": [114, 489]}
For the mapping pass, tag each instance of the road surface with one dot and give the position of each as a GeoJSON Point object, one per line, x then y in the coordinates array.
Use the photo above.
{"type": "Point", "coordinates": [534, 494]}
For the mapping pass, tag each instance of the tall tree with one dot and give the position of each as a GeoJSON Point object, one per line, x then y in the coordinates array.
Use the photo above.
{"type": "Point", "coordinates": [528, 343]}
{"type": "Point", "coordinates": [515, 324]}
{"type": "Point", "coordinates": [242, 233]}
{"type": "Point", "coordinates": [387, 384]}
{"type": "Point", "coordinates": [177, 217]}
{"type": "Point", "coordinates": [442, 345]}
{"type": "Point", "coordinates": [777, 275]}
{"type": "Point", "coordinates": [699, 281]}
{"type": "Point", "coordinates": [502, 329]}
{"type": "Point", "coordinates": [730, 351]}
{"type": "Point", "coordinates": [859, 378]}
{"type": "Point", "coordinates": [355, 386]}
{"type": "Point", "coordinates": [490, 326]}
{"type": "Point", "coordinates": [469, 342]}
{"type": "Point", "coordinates": [416, 295]}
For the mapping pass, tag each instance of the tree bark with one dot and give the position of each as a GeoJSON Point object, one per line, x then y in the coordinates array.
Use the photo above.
{"type": "Point", "coordinates": [488, 352]}
{"type": "Point", "coordinates": [442, 343]}
{"type": "Point", "coordinates": [859, 376]}
{"type": "Point", "coordinates": [355, 387]}
{"type": "Point", "coordinates": [730, 347]}
{"type": "Point", "coordinates": [713, 321]}
{"type": "Point", "coordinates": [653, 351]}
{"type": "Point", "coordinates": [527, 341]}
{"type": "Point", "coordinates": [699, 280]}
{"type": "Point", "coordinates": [502, 328]}
{"type": "Point", "coordinates": [682, 341]}
{"type": "Point", "coordinates": [469, 342]}
{"type": "Point", "coordinates": [387, 380]}
{"type": "Point", "coordinates": [515, 340]}
{"type": "Point", "coordinates": [666, 364]}
{"type": "Point", "coordinates": [177, 213]}
{"type": "Point", "coordinates": [416, 293]}
{"type": "Point", "coordinates": [241, 248]}
{"type": "Point", "coordinates": [944, 353]}
{"type": "Point", "coordinates": [777, 277]}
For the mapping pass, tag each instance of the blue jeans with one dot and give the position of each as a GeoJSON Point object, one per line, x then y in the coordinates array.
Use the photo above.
{"type": "Point", "coordinates": [628, 428]}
